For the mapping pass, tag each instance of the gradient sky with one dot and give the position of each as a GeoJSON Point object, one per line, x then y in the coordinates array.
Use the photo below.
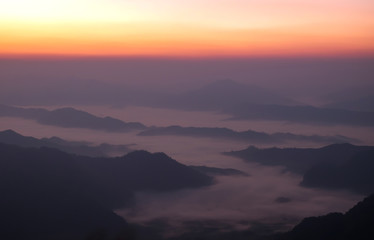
{"type": "Point", "coordinates": [187, 28]}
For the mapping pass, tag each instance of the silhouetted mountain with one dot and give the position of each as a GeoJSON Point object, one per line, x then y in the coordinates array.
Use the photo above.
{"type": "Point", "coordinates": [141, 170]}
{"type": "Point", "coordinates": [243, 101]}
{"type": "Point", "coordinates": [208, 132]}
{"type": "Point", "coordinates": [216, 230]}
{"type": "Point", "coordinates": [247, 136]}
{"type": "Point", "coordinates": [69, 118]}
{"type": "Point", "coordinates": [254, 103]}
{"type": "Point", "coordinates": [80, 148]}
{"type": "Point", "coordinates": [49, 194]}
{"type": "Point", "coordinates": [300, 160]}
{"type": "Point", "coordinates": [204, 230]}
{"type": "Point", "coordinates": [44, 195]}
{"type": "Point", "coordinates": [356, 174]}
{"type": "Point", "coordinates": [226, 93]}
{"type": "Point", "coordinates": [337, 166]}
{"type": "Point", "coordinates": [365, 103]}
{"type": "Point", "coordinates": [219, 171]}
{"type": "Point", "coordinates": [301, 114]}
{"type": "Point", "coordinates": [356, 224]}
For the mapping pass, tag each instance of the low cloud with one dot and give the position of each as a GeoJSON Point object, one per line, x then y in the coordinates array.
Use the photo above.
{"type": "Point", "coordinates": [240, 202]}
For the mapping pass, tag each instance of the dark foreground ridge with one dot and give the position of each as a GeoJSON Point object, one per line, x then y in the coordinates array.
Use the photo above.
{"type": "Point", "coordinates": [49, 194]}
{"type": "Point", "coordinates": [356, 224]}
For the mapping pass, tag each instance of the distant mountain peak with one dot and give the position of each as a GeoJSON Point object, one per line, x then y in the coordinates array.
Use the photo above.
{"type": "Point", "coordinates": [232, 92]}
{"type": "Point", "coordinates": [227, 84]}
{"type": "Point", "coordinates": [10, 132]}
{"type": "Point", "coordinates": [139, 154]}
{"type": "Point", "coordinates": [339, 146]}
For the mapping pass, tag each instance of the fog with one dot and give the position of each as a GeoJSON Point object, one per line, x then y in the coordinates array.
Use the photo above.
{"type": "Point", "coordinates": [240, 202]}
{"type": "Point", "coordinates": [234, 202]}
{"type": "Point", "coordinates": [163, 92]}
{"type": "Point", "coordinates": [91, 80]}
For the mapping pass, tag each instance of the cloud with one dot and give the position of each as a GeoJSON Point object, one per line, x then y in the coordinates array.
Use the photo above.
{"type": "Point", "coordinates": [240, 202]}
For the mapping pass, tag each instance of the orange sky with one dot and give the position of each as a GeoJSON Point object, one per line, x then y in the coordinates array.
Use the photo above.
{"type": "Point", "coordinates": [187, 28]}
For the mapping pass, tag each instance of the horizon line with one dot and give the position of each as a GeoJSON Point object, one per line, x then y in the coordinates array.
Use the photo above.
{"type": "Point", "coordinates": [369, 55]}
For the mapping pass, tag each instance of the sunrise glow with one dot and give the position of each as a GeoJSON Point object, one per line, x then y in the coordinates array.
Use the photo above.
{"type": "Point", "coordinates": [187, 28]}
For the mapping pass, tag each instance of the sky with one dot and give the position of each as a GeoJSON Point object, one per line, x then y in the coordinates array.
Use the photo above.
{"type": "Point", "coordinates": [315, 52]}
{"type": "Point", "coordinates": [194, 28]}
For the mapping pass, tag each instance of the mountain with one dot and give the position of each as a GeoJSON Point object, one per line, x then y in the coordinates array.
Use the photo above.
{"type": "Point", "coordinates": [300, 114]}
{"type": "Point", "coordinates": [300, 160]}
{"type": "Point", "coordinates": [213, 171]}
{"type": "Point", "coordinates": [227, 93]}
{"type": "Point", "coordinates": [356, 224]}
{"type": "Point", "coordinates": [242, 101]}
{"type": "Point", "coordinates": [80, 148]}
{"type": "Point", "coordinates": [69, 118]}
{"type": "Point", "coordinates": [213, 96]}
{"type": "Point", "coordinates": [72, 118]}
{"type": "Point", "coordinates": [246, 136]}
{"type": "Point", "coordinates": [337, 166]}
{"type": "Point", "coordinates": [45, 196]}
{"type": "Point", "coordinates": [49, 194]}
{"type": "Point", "coordinates": [141, 170]}
{"type": "Point", "coordinates": [356, 174]}
{"type": "Point", "coordinates": [362, 103]}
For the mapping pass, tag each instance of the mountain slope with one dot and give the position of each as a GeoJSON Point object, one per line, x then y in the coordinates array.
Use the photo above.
{"type": "Point", "coordinates": [70, 118]}
{"type": "Point", "coordinates": [356, 224]}
{"type": "Point", "coordinates": [336, 166]}
{"type": "Point", "coordinates": [300, 160]}
{"type": "Point", "coordinates": [356, 174]}
{"type": "Point", "coordinates": [249, 136]}
{"type": "Point", "coordinates": [301, 114]}
{"type": "Point", "coordinates": [45, 195]}
{"type": "Point", "coordinates": [227, 93]}
{"type": "Point", "coordinates": [80, 148]}
{"type": "Point", "coordinates": [49, 194]}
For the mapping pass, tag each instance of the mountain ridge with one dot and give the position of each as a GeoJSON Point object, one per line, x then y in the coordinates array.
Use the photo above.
{"type": "Point", "coordinates": [81, 148]}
